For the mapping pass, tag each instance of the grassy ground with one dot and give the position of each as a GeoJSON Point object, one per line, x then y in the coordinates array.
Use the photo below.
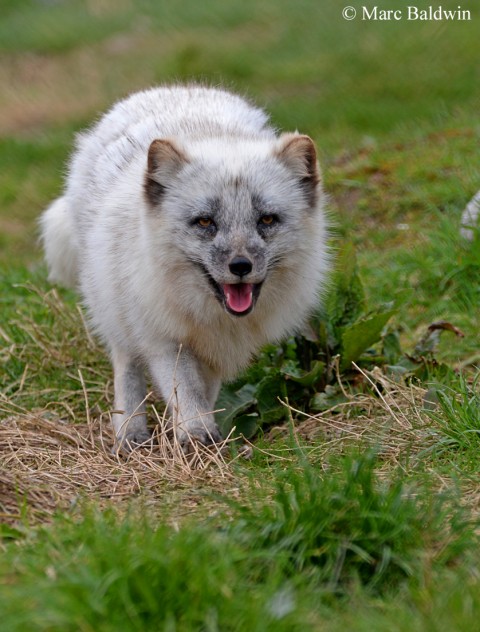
{"type": "Point", "coordinates": [360, 518]}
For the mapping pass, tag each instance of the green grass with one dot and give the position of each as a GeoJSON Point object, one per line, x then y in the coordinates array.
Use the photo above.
{"type": "Point", "coordinates": [327, 537]}
{"type": "Point", "coordinates": [457, 418]}
{"type": "Point", "coordinates": [344, 525]}
{"type": "Point", "coordinates": [287, 564]}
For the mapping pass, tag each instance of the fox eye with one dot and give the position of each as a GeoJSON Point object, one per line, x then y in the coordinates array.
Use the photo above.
{"type": "Point", "coordinates": [267, 220]}
{"type": "Point", "coordinates": [206, 222]}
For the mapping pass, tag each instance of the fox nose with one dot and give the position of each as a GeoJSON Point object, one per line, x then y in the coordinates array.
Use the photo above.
{"type": "Point", "coordinates": [240, 266]}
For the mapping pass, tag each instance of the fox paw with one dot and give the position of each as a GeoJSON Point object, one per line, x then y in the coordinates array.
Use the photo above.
{"type": "Point", "coordinates": [199, 434]}
{"type": "Point", "coordinates": [132, 440]}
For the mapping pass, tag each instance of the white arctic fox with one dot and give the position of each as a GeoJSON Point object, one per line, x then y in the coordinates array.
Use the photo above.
{"type": "Point", "coordinates": [470, 218]}
{"type": "Point", "coordinates": [187, 223]}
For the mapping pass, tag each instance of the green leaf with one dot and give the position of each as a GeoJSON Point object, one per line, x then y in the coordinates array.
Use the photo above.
{"type": "Point", "coordinates": [246, 425]}
{"type": "Point", "coordinates": [10, 533]}
{"type": "Point", "coordinates": [235, 403]}
{"type": "Point", "coordinates": [358, 337]}
{"type": "Point", "coordinates": [346, 301]}
{"type": "Point", "coordinates": [326, 400]}
{"type": "Point", "coordinates": [391, 348]}
{"type": "Point", "coordinates": [268, 392]}
{"type": "Point", "coordinates": [305, 378]}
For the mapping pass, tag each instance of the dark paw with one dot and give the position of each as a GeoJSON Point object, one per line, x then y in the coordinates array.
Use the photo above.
{"type": "Point", "coordinates": [202, 435]}
{"type": "Point", "coordinates": [132, 440]}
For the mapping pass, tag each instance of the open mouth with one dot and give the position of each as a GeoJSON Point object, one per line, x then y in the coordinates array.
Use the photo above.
{"type": "Point", "coordinates": [237, 298]}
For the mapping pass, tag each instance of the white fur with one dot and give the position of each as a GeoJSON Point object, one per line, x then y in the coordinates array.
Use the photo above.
{"type": "Point", "coordinates": [143, 297]}
{"type": "Point", "coordinates": [470, 217]}
{"type": "Point", "coordinates": [58, 242]}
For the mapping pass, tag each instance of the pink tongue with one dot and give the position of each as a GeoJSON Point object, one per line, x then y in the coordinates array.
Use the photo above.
{"type": "Point", "coordinates": [239, 296]}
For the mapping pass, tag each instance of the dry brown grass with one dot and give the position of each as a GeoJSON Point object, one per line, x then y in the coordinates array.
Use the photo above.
{"type": "Point", "coordinates": [56, 441]}
{"type": "Point", "coordinates": [55, 434]}
{"type": "Point", "coordinates": [48, 463]}
{"type": "Point", "coordinates": [391, 416]}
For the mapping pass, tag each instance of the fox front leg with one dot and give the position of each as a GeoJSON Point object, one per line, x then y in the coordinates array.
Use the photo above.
{"type": "Point", "coordinates": [129, 420]}
{"type": "Point", "coordinates": [190, 389]}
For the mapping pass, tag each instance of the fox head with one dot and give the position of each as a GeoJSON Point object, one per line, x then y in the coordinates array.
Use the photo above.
{"type": "Point", "coordinates": [237, 210]}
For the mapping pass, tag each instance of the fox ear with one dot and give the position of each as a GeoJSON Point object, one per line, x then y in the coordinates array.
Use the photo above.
{"type": "Point", "coordinates": [165, 160]}
{"type": "Point", "coordinates": [299, 155]}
